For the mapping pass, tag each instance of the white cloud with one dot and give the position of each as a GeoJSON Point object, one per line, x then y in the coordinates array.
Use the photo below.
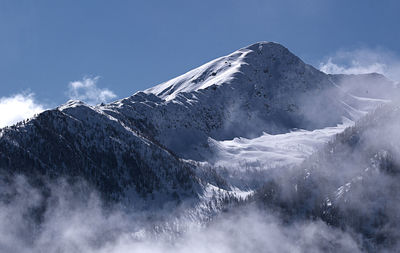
{"type": "Point", "coordinates": [362, 61]}
{"type": "Point", "coordinates": [18, 107]}
{"type": "Point", "coordinates": [24, 105]}
{"type": "Point", "coordinates": [86, 90]}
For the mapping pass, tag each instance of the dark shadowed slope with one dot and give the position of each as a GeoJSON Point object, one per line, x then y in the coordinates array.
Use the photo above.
{"type": "Point", "coordinates": [76, 140]}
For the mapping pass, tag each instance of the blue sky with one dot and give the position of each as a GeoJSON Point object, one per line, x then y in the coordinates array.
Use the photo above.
{"type": "Point", "coordinates": [133, 45]}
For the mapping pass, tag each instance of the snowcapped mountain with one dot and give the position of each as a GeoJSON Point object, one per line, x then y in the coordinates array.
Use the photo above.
{"type": "Point", "coordinates": [136, 146]}
{"type": "Point", "coordinates": [260, 88]}
{"type": "Point", "coordinates": [257, 128]}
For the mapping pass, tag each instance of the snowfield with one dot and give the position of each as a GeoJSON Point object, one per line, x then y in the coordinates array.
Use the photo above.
{"type": "Point", "coordinates": [270, 151]}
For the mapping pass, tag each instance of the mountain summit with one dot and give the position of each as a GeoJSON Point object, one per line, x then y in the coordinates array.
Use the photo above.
{"type": "Point", "coordinates": [259, 60]}
{"type": "Point", "coordinates": [259, 64]}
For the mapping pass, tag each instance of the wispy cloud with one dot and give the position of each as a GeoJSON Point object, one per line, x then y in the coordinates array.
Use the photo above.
{"type": "Point", "coordinates": [18, 107]}
{"type": "Point", "coordinates": [86, 90]}
{"type": "Point", "coordinates": [362, 61]}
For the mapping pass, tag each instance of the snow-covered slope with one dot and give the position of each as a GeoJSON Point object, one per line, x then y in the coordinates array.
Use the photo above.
{"type": "Point", "coordinates": [272, 151]}
{"type": "Point", "coordinates": [217, 72]}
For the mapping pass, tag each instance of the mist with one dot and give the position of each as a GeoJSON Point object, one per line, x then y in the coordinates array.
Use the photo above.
{"type": "Point", "coordinates": [72, 218]}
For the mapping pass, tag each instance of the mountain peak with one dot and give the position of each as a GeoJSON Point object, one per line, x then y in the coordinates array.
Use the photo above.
{"type": "Point", "coordinates": [258, 57]}
{"type": "Point", "coordinates": [71, 104]}
{"type": "Point", "coordinates": [265, 44]}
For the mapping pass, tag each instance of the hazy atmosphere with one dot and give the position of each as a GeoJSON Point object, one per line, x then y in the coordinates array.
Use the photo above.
{"type": "Point", "coordinates": [199, 126]}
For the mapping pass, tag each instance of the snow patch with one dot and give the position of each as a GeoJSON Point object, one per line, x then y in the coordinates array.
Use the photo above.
{"type": "Point", "coordinates": [268, 151]}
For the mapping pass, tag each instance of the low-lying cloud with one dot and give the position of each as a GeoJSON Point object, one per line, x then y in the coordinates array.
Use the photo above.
{"type": "Point", "coordinates": [86, 90]}
{"type": "Point", "coordinates": [18, 107]}
{"type": "Point", "coordinates": [363, 61]}
{"type": "Point", "coordinates": [71, 223]}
